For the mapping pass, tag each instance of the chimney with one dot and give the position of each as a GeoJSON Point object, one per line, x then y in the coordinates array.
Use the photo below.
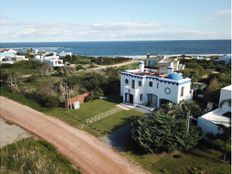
{"type": "Point", "coordinates": [141, 66]}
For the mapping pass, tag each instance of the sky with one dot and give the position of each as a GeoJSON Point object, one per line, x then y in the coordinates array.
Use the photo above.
{"type": "Point", "coordinates": [113, 20]}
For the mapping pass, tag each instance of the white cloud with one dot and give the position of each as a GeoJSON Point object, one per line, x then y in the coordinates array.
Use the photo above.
{"type": "Point", "coordinates": [15, 31]}
{"type": "Point", "coordinates": [221, 15]}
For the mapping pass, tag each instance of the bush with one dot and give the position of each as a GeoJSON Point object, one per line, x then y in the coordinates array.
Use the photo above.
{"type": "Point", "coordinates": [51, 101]}
{"type": "Point", "coordinates": [79, 67]}
{"type": "Point", "coordinates": [163, 132]}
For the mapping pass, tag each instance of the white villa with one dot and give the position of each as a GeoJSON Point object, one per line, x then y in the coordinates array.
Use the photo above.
{"type": "Point", "coordinates": [50, 58]}
{"type": "Point", "coordinates": [149, 87]}
{"type": "Point", "coordinates": [209, 122]}
{"type": "Point", "coordinates": [163, 62]}
{"type": "Point", "coordinates": [9, 56]}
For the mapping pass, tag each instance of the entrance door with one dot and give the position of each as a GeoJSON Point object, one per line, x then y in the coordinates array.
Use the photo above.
{"type": "Point", "coordinates": [152, 100]}
{"type": "Point", "coordinates": [129, 98]}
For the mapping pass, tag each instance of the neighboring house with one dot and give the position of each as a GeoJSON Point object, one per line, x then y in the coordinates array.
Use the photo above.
{"type": "Point", "coordinates": [226, 58]}
{"type": "Point", "coordinates": [8, 50]}
{"type": "Point", "coordinates": [50, 58]}
{"type": "Point", "coordinates": [63, 54]}
{"type": "Point", "coordinates": [10, 58]}
{"type": "Point", "coordinates": [149, 87]}
{"type": "Point", "coordinates": [163, 62]}
{"type": "Point", "coordinates": [209, 122]}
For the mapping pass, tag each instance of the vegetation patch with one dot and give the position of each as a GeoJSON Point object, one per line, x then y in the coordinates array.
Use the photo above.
{"type": "Point", "coordinates": [30, 156]}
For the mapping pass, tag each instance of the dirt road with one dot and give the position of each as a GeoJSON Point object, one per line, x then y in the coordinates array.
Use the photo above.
{"type": "Point", "coordinates": [84, 150]}
{"type": "Point", "coordinates": [109, 66]}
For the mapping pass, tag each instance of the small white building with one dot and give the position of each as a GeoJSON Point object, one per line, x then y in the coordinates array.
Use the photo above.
{"type": "Point", "coordinates": [209, 122]}
{"type": "Point", "coordinates": [8, 50]}
{"type": "Point", "coordinates": [10, 58]}
{"type": "Point", "coordinates": [148, 87]}
{"type": "Point", "coordinates": [50, 58]}
{"type": "Point", "coordinates": [163, 62]}
{"type": "Point", "coordinates": [63, 54]}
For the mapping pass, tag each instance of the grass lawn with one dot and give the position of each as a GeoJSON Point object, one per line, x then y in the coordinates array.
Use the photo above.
{"type": "Point", "coordinates": [87, 110]}
{"type": "Point", "coordinates": [199, 160]}
{"type": "Point", "coordinates": [31, 156]}
{"type": "Point", "coordinates": [77, 118]}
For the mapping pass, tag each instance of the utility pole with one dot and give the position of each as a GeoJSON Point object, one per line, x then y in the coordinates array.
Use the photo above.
{"type": "Point", "coordinates": [66, 95]}
{"type": "Point", "coordinates": [188, 121]}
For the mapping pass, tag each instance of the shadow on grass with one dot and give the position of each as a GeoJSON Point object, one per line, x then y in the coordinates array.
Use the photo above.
{"type": "Point", "coordinates": [120, 137]}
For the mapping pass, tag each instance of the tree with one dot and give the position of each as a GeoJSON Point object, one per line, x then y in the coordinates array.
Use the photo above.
{"type": "Point", "coordinates": [163, 132]}
{"type": "Point", "coordinates": [182, 109]}
{"type": "Point", "coordinates": [213, 92]}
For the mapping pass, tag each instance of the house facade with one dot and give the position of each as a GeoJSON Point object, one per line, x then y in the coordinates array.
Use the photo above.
{"type": "Point", "coordinates": [163, 62]}
{"type": "Point", "coordinates": [9, 56]}
{"type": "Point", "coordinates": [211, 121]}
{"type": "Point", "coordinates": [151, 88]}
{"type": "Point", "coordinates": [50, 58]}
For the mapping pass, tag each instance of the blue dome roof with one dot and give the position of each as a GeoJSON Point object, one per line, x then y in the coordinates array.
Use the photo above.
{"type": "Point", "coordinates": [175, 76]}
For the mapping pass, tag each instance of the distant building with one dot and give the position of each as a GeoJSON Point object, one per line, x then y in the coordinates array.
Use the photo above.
{"type": "Point", "coordinates": [8, 50]}
{"type": "Point", "coordinates": [9, 56]}
{"type": "Point", "coordinates": [63, 54]}
{"type": "Point", "coordinates": [211, 121]}
{"type": "Point", "coordinates": [150, 87]}
{"type": "Point", "coordinates": [50, 58]}
{"type": "Point", "coordinates": [163, 62]}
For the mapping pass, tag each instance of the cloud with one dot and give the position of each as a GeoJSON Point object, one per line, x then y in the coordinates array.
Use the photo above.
{"type": "Point", "coordinates": [15, 31]}
{"type": "Point", "coordinates": [221, 15]}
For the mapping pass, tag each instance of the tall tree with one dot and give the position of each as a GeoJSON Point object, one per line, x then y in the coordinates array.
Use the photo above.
{"type": "Point", "coordinates": [163, 132]}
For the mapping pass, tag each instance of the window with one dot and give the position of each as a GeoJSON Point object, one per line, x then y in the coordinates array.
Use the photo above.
{"type": "Point", "coordinates": [140, 83]}
{"type": "Point", "coordinates": [133, 84]}
{"type": "Point", "coordinates": [141, 97]}
{"type": "Point", "coordinates": [182, 91]}
{"type": "Point", "coordinates": [150, 84]}
{"type": "Point", "coordinates": [126, 81]}
{"type": "Point", "coordinates": [157, 85]}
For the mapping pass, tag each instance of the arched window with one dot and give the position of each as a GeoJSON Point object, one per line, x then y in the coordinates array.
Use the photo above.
{"type": "Point", "coordinates": [126, 81]}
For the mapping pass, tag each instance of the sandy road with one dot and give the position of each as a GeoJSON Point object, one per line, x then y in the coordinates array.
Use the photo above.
{"type": "Point", "coordinates": [110, 66]}
{"type": "Point", "coordinates": [85, 151]}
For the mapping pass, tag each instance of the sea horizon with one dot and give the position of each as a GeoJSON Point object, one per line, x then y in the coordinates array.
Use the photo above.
{"type": "Point", "coordinates": [129, 47]}
{"type": "Point", "coordinates": [116, 41]}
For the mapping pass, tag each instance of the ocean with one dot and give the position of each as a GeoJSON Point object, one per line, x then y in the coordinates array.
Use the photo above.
{"type": "Point", "coordinates": [129, 48]}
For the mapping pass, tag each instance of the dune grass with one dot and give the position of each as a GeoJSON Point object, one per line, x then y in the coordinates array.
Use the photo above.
{"type": "Point", "coordinates": [31, 156]}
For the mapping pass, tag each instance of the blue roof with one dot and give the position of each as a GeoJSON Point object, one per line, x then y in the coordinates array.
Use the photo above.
{"type": "Point", "coordinates": [175, 76]}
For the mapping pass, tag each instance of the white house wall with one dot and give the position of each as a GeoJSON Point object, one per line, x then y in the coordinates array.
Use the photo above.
{"type": "Point", "coordinates": [208, 127]}
{"type": "Point", "coordinates": [163, 83]}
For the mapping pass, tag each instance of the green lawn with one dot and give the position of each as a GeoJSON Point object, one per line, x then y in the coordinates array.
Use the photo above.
{"type": "Point", "coordinates": [31, 156]}
{"type": "Point", "coordinates": [201, 159]}
{"type": "Point", "coordinates": [77, 118]}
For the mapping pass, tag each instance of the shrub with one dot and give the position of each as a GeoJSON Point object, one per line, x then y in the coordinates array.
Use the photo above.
{"type": "Point", "coordinates": [163, 132]}
{"type": "Point", "coordinates": [79, 67]}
